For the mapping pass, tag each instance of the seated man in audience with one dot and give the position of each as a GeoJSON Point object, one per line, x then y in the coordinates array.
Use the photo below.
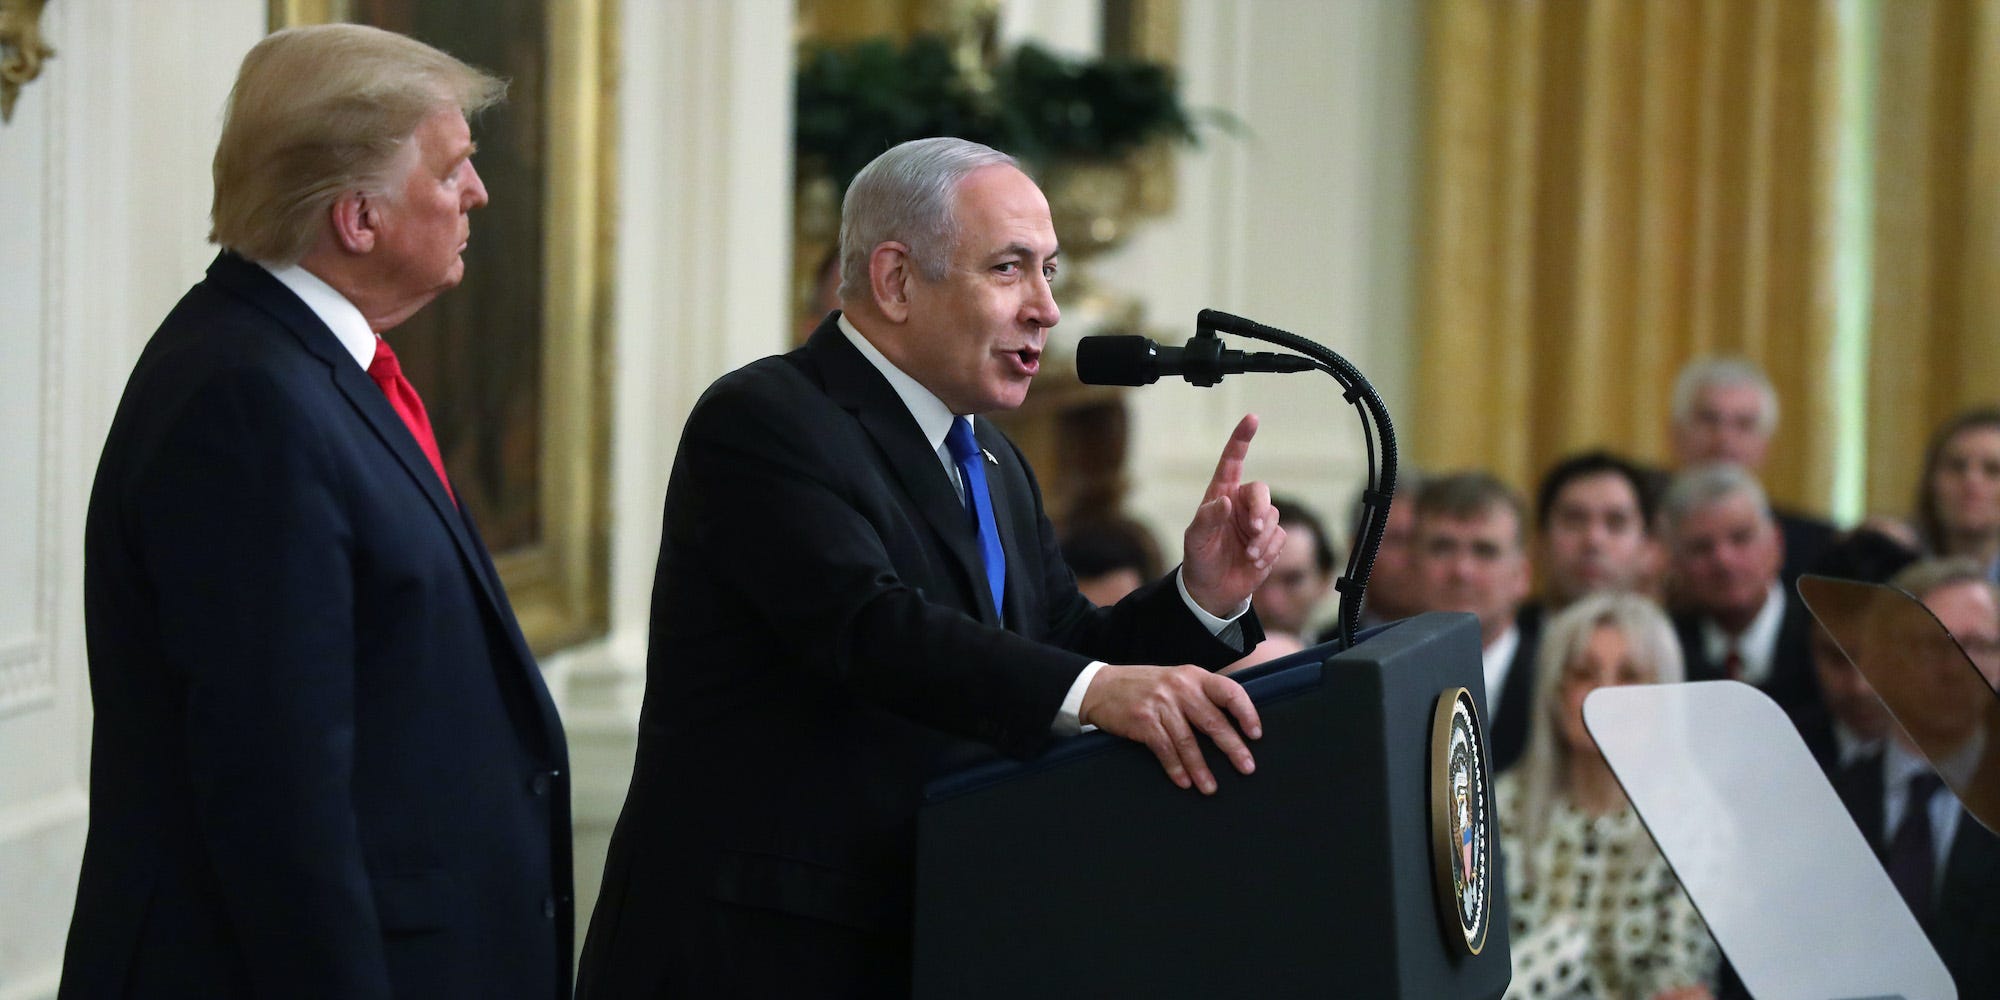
{"type": "Point", "coordinates": [1849, 721]}
{"type": "Point", "coordinates": [1299, 582]}
{"type": "Point", "coordinates": [1111, 555]}
{"type": "Point", "coordinates": [1725, 410]}
{"type": "Point", "coordinates": [1301, 577]}
{"type": "Point", "coordinates": [1594, 517]}
{"type": "Point", "coordinates": [1738, 621]}
{"type": "Point", "coordinates": [1395, 591]}
{"type": "Point", "coordinates": [1471, 557]}
{"type": "Point", "coordinates": [1943, 862]}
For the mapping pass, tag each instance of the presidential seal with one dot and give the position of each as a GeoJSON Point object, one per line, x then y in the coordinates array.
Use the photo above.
{"type": "Point", "coordinates": [1461, 828]}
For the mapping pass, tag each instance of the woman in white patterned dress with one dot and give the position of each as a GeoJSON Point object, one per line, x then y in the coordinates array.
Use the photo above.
{"type": "Point", "coordinates": [1594, 911]}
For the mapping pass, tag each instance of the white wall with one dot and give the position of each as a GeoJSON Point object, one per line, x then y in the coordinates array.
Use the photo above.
{"type": "Point", "coordinates": [103, 202]}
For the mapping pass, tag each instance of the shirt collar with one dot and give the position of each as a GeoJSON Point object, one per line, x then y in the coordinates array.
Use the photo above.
{"type": "Point", "coordinates": [1757, 643]}
{"type": "Point", "coordinates": [933, 417]}
{"type": "Point", "coordinates": [1496, 659]}
{"type": "Point", "coordinates": [348, 325]}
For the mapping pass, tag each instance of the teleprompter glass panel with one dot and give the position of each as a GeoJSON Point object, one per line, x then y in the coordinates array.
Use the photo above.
{"type": "Point", "coordinates": [1777, 868]}
{"type": "Point", "coordinates": [1940, 691]}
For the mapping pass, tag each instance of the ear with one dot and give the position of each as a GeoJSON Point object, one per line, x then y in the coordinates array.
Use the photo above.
{"type": "Point", "coordinates": [890, 273]}
{"type": "Point", "coordinates": [353, 218]}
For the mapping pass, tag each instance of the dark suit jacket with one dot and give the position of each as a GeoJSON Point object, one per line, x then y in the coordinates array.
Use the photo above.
{"type": "Point", "coordinates": [1509, 726]}
{"type": "Point", "coordinates": [822, 645]}
{"type": "Point", "coordinates": [324, 763]}
{"type": "Point", "coordinates": [1966, 922]}
{"type": "Point", "coordinates": [1806, 541]}
{"type": "Point", "coordinates": [1792, 683]}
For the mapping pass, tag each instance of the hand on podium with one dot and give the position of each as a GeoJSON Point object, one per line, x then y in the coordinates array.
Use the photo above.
{"type": "Point", "coordinates": [1162, 707]}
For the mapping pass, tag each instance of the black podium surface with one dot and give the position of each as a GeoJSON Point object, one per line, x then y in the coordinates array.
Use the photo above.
{"type": "Point", "coordinates": [1087, 873]}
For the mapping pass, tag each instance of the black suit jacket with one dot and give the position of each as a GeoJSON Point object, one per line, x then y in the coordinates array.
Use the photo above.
{"type": "Point", "coordinates": [1509, 726]}
{"type": "Point", "coordinates": [1806, 540]}
{"type": "Point", "coordinates": [1791, 683]}
{"type": "Point", "coordinates": [1966, 921]}
{"type": "Point", "coordinates": [822, 645]}
{"type": "Point", "coordinates": [324, 762]}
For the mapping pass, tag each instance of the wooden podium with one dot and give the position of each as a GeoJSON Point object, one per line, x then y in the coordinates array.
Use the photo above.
{"type": "Point", "coordinates": [1087, 873]}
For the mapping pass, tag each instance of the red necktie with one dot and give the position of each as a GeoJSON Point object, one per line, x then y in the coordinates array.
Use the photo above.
{"type": "Point", "coordinates": [1732, 665]}
{"type": "Point", "coordinates": [388, 374]}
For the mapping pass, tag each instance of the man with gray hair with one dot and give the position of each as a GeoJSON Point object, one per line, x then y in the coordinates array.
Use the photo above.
{"type": "Point", "coordinates": [1726, 410]}
{"type": "Point", "coordinates": [858, 590]}
{"type": "Point", "coordinates": [324, 763]}
{"type": "Point", "coordinates": [1737, 620]}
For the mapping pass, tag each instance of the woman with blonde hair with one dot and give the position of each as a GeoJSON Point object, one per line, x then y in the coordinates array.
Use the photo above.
{"type": "Point", "coordinates": [1594, 911]}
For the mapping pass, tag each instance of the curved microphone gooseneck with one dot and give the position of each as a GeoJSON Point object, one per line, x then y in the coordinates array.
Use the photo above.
{"type": "Point", "coordinates": [1138, 361]}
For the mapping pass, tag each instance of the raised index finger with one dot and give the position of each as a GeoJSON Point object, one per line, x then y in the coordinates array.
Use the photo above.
{"type": "Point", "coordinates": [1229, 469]}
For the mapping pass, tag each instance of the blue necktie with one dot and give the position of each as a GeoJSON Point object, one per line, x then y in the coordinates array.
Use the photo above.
{"type": "Point", "coordinates": [972, 472]}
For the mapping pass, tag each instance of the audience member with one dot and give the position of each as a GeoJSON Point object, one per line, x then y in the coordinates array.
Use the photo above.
{"type": "Point", "coordinates": [1943, 862]}
{"type": "Point", "coordinates": [1739, 622]}
{"type": "Point", "coordinates": [1594, 516]}
{"type": "Point", "coordinates": [1958, 500]}
{"type": "Point", "coordinates": [1112, 555]}
{"type": "Point", "coordinates": [1725, 410]}
{"type": "Point", "coordinates": [1301, 577]}
{"type": "Point", "coordinates": [1395, 590]}
{"type": "Point", "coordinates": [1848, 721]}
{"type": "Point", "coordinates": [1593, 909]}
{"type": "Point", "coordinates": [1471, 557]}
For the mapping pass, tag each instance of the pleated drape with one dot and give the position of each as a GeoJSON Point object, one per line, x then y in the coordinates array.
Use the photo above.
{"type": "Point", "coordinates": [1935, 325]}
{"type": "Point", "coordinates": [1613, 188]}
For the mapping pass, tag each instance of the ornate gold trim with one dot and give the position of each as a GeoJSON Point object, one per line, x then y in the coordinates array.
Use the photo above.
{"type": "Point", "coordinates": [559, 586]}
{"type": "Point", "coordinates": [21, 50]}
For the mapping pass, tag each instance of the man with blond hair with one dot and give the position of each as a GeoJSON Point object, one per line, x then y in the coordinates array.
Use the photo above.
{"type": "Point", "coordinates": [324, 763]}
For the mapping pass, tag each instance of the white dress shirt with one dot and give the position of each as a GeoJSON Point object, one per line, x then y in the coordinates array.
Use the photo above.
{"type": "Point", "coordinates": [1496, 657]}
{"type": "Point", "coordinates": [1758, 644]}
{"type": "Point", "coordinates": [332, 308]}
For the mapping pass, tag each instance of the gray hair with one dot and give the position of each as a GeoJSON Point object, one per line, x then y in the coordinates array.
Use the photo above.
{"type": "Point", "coordinates": [319, 111]}
{"type": "Point", "coordinates": [1650, 638]}
{"type": "Point", "coordinates": [1705, 485]}
{"type": "Point", "coordinates": [1925, 576]}
{"type": "Point", "coordinates": [908, 195]}
{"type": "Point", "coordinates": [1707, 373]}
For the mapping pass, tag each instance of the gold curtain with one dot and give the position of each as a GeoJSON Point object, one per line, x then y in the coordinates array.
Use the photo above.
{"type": "Point", "coordinates": [1612, 189]}
{"type": "Point", "coordinates": [1935, 329]}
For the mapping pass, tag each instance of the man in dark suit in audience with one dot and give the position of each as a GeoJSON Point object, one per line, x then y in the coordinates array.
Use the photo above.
{"type": "Point", "coordinates": [1725, 410]}
{"type": "Point", "coordinates": [858, 590]}
{"type": "Point", "coordinates": [1471, 556]}
{"type": "Point", "coordinates": [1739, 622]}
{"type": "Point", "coordinates": [1943, 862]}
{"type": "Point", "coordinates": [1848, 721]}
{"type": "Point", "coordinates": [324, 763]}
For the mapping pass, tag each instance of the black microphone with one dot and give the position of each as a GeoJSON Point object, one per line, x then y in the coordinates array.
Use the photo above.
{"type": "Point", "coordinates": [1134, 360]}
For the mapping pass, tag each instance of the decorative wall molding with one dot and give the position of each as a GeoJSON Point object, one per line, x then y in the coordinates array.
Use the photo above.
{"type": "Point", "coordinates": [27, 667]}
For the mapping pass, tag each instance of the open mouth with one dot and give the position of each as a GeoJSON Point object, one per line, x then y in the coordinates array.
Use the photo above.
{"type": "Point", "coordinates": [1028, 359]}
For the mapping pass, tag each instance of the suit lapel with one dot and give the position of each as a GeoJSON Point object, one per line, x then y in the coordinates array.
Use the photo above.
{"type": "Point", "coordinates": [856, 386]}
{"type": "Point", "coordinates": [256, 285]}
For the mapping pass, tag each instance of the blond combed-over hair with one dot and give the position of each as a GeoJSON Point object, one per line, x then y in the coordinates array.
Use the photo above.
{"type": "Point", "coordinates": [319, 111]}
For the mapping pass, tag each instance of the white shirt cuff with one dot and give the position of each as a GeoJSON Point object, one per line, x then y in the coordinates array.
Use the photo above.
{"type": "Point", "coordinates": [1069, 721]}
{"type": "Point", "coordinates": [1214, 625]}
